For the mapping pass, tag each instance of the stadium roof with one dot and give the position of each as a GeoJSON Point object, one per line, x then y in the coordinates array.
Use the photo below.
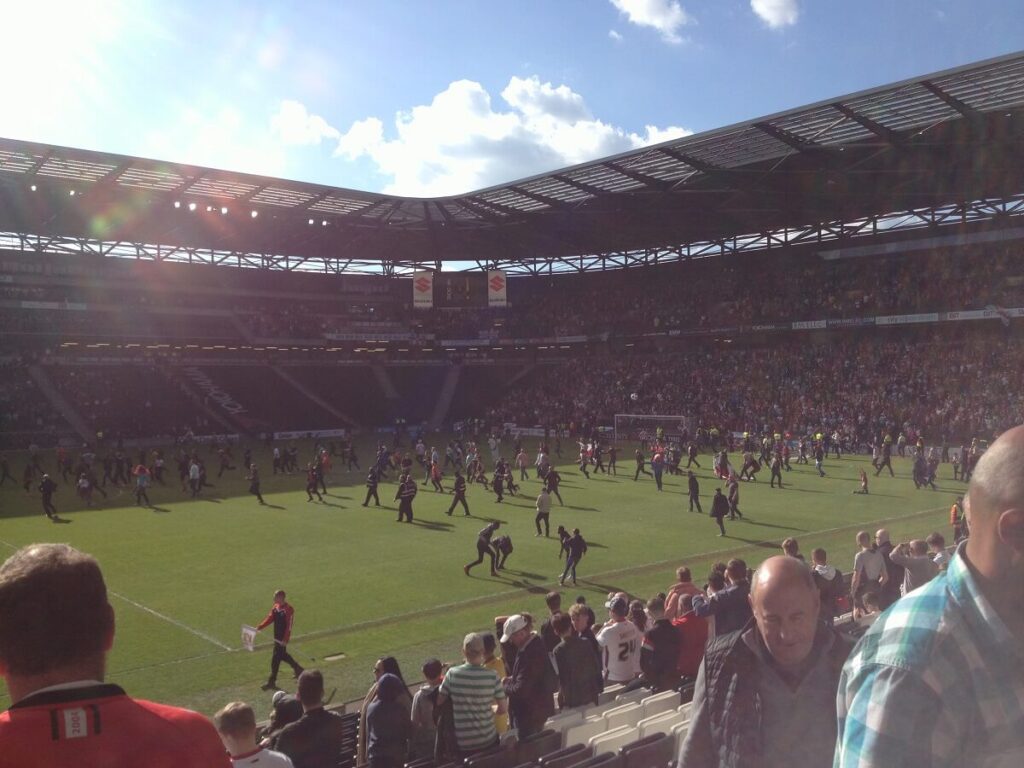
{"type": "Point", "coordinates": [949, 138]}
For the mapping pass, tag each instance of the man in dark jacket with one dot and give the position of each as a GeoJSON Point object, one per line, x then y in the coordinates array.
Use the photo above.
{"type": "Point", "coordinates": [579, 668]}
{"type": "Point", "coordinates": [529, 688]}
{"type": "Point", "coordinates": [660, 650]}
{"type": "Point", "coordinates": [719, 509]}
{"type": "Point", "coordinates": [766, 695]}
{"type": "Point", "coordinates": [730, 606]}
{"type": "Point", "coordinates": [693, 489]}
{"type": "Point", "coordinates": [314, 741]}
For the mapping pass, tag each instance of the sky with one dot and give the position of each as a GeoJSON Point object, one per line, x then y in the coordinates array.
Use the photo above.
{"type": "Point", "coordinates": [444, 97]}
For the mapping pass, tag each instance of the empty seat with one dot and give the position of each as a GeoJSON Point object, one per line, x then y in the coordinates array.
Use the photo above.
{"type": "Point", "coordinates": [686, 692]}
{"type": "Point", "coordinates": [627, 714]}
{"type": "Point", "coordinates": [661, 722]}
{"type": "Point", "coordinates": [679, 733]}
{"type": "Point", "coordinates": [613, 740]}
{"type": "Point", "coordinates": [581, 733]}
{"type": "Point", "coordinates": [566, 757]}
{"type": "Point", "coordinates": [660, 702]}
{"type": "Point", "coordinates": [634, 695]}
{"type": "Point", "coordinates": [563, 720]}
{"type": "Point", "coordinates": [686, 709]}
{"type": "Point", "coordinates": [502, 757]}
{"type": "Point", "coordinates": [605, 760]}
{"type": "Point", "coordinates": [533, 747]}
{"type": "Point", "coordinates": [609, 693]}
{"type": "Point", "coordinates": [654, 751]}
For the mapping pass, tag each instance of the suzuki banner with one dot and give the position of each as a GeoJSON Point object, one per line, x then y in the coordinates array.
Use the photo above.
{"type": "Point", "coordinates": [422, 290]}
{"type": "Point", "coordinates": [497, 289]}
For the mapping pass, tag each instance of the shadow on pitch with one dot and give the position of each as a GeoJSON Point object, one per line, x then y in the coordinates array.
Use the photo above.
{"type": "Point", "coordinates": [583, 509]}
{"type": "Point", "coordinates": [770, 525]}
{"type": "Point", "coordinates": [430, 525]}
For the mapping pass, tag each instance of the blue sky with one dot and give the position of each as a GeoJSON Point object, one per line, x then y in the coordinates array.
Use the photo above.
{"type": "Point", "coordinates": [446, 96]}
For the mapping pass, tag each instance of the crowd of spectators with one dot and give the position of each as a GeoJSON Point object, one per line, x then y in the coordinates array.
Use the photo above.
{"type": "Point", "coordinates": [26, 415]}
{"type": "Point", "coordinates": [940, 387]}
{"type": "Point", "coordinates": [712, 293]}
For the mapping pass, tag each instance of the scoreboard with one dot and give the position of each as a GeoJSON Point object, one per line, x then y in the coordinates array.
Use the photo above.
{"type": "Point", "coordinates": [460, 289]}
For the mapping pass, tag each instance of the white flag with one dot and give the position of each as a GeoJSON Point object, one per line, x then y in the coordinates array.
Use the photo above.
{"type": "Point", "coordinates": [249, 637]}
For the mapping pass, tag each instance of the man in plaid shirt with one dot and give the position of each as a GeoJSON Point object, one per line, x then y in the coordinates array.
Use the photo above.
{"type": "Point", "coordinates": [938, 680]}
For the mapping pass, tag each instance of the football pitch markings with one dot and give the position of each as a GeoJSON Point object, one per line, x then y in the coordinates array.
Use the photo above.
{"type": "Point", "coordinates": [473, 601]}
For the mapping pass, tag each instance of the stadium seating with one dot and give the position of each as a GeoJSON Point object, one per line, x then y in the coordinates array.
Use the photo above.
{"type": "Point", "coordinates": [654, 751]}
{"type": "Point", "coordinates": [612, 740]}
{"type": "Point", "coordinates": [660, 702]}
{"type": "Point", "coordinates": [626, 714]}
{"type": "Point", "coordinates": [565, 757]}
{"type": "Point", "coordinates": [604, 760]}
{"type": "Point", "coordinates": [533, 747]}
{"type": "Point", "coordinates": [659, 723]}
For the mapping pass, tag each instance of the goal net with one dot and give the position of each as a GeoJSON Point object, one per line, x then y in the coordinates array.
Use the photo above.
{"type": "Point", "coordinates": [637, 428]}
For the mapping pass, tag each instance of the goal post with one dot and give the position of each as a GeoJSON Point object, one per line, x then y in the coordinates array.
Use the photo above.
{"type": "Point", "coordinates": [637, 428]}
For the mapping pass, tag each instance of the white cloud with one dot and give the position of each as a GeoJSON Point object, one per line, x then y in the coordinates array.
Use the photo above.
{"type": "Point", "coordinates": [776, 13]}
{"type": "Point", "coordinates": [460, 142]}
{"type": "Point", "coordinates": [293, 124]}
{"type": "Point", "coordinates": [220, 138]}
{"type": "Point", "coordinates": [666, 16]}
{"type": "Point", "coordinates": [614, 35]}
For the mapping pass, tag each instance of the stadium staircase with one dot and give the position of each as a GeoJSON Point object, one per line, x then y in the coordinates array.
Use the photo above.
{"type": "Point", "coordinates": [444, 398]}
{"type": "Point", "coordinates": [185, 386]}
{"type": "Point", "coordinates": [387, 387]}
{"type": "Point", "coordinates": [522, 374]}
{"type": "Point", "coordinates": [311, 395]}
{"type": "Point", "coordinates": [71, 416]}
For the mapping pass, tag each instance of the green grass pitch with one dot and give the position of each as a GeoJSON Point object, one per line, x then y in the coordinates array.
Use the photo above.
{"type": "Point", "coordinates": [185, 576]}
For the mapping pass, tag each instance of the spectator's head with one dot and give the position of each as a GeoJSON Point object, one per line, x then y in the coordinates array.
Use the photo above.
{"type": "Point", "coordinates": [45, 589]}
{"type": "Point", "coordinates": [389, 687]}
{"type": "Point", "coordinates": [554, 601]}
{"type": "Point", "coordinates": [637, 615]}
{"type": "Point", "coordinates": [561, 624]}
{"type": "Point", "coordinates": [432, 669]}
{"type": "Point", "coordinates": [618, 607]}
{"type": "Point", "coordinates": [656, 608]}
{"type": "Point", "coordinates": [994, 507]}
{"type": "Point", "coordinates": [918, 548]}
{"type": "Point", "coordinates": [864, 539]}
{"type": "Point", "coordinates": [311, 689]}
{"type": "Point", "coordinates": [736, 571]}
{"type": "Point", "coordinates": [580, 617]}
{"type": "Point", "coordinates": [716, 581]}
{"type": "Point", "coordinates": [882, 536]}
{"type": "Point", "coordinates": [236, 724]}
{"type": "Point", "coordinates": [490, 645]}
{"type": "Point", "coordinates": [784, 600]}
{"type": "Point", "coordinates": [279, 597]}
{"type": "Point", "coordinates": [936, 542]}
{"type": "Point", "coordinates": [818, 556]}
{"type": "Point", "coordinates": [683, 575]}
{"type": "Point", "coordinates": [473, 648]}
{"type": "Point", "coordinates": [790, 547]}
{"type": "Point", "coordinates": [516, 630]}
{"type": "Point", "coordinates": [387, 665]}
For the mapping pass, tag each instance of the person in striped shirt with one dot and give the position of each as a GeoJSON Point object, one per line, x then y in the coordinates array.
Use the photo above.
{"type": "Point", "coordinates": [938, 680]}
{"type": "Point", "coordinates": [473, 690]}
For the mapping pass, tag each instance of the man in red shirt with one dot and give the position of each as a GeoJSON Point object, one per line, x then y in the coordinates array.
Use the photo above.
{"type": "Point", "coordinates": [57, 630]}
{"type": "Point", "coordinates": [281, 616]}
{"type": "Point", "coordinates": [693, 636]}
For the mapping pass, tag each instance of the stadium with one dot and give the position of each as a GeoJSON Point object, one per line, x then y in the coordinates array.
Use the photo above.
{"type": "Point", "coordinates": [841, 275]}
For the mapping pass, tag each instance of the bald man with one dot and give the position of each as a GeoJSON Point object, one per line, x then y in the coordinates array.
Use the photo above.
{"type": "Point", "coordinates": [938, 680]}
{"type": "Point", "coordinates": [765, 694]}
